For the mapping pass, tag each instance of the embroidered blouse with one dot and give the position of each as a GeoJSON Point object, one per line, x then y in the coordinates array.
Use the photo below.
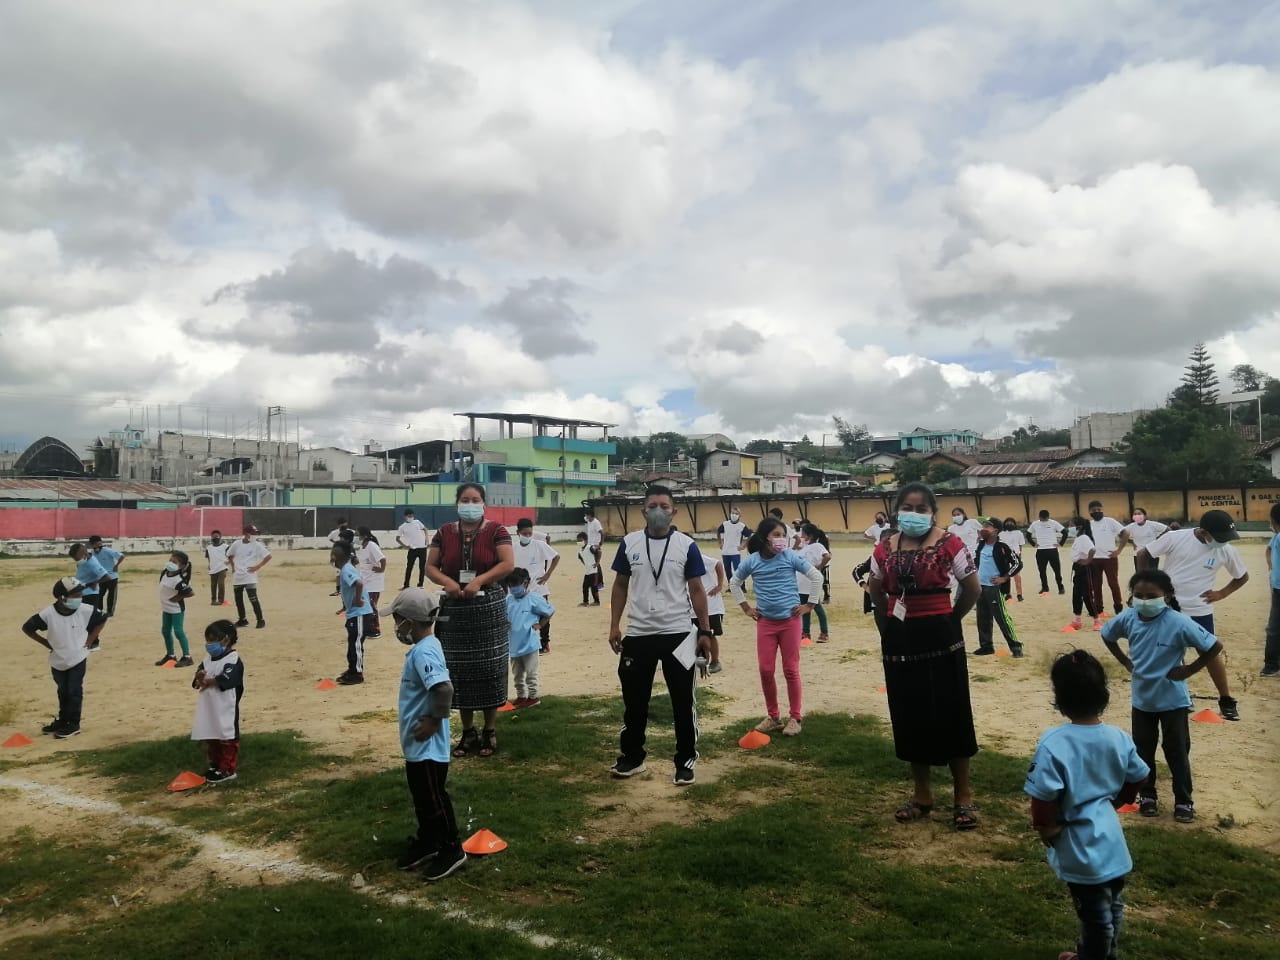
{"type": "Point", "coordinates": [921, 579]}
{"type": "Point", "coordinates": [476, 550]}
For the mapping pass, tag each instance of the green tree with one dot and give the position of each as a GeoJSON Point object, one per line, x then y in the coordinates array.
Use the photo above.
{"type": "Point", "coordinates": [855, 438]}
{"type": "Point", "coordinates": [1246, 377]}
{"type": "Point", "coordinates": [942, 471]}
{"type": "Point", "coordinates": [1186, 445]}
{"type": "Point", "coordinates": [1199, 387]}
{"type": "Point", "coordinates": [764, 446]}
{"type": "Point", "coordinates": [910, 469]}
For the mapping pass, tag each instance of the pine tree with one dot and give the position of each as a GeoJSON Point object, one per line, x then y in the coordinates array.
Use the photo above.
{"type": "Point", "coordinates": [1200, 382]}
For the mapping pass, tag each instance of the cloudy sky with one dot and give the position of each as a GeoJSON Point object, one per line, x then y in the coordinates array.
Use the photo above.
{"type": "Point", "coordinates": [737, 215]}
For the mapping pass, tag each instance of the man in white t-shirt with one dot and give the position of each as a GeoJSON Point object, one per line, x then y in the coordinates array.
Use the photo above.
{"type": "Point", "coordinates": [412, 535]}
{"type": "Point", "coordinates": [1047, 535]}
{"type": "Point", "coordinates": [1105, 562]}
{"type": "Point", "coordinates": [658, 576]}
{"type": "Point", "coordinates": [71, 629]}
{"type": "Point", "coordinates": [534, 555]}
{"type": "Point", "coordinates": [336, 533]}
{"type": "Point", "coordinates": [733, 535]}
{"type": "Point", "coordinates": [873, 532]}
{"type": "Point", "coordinates": [247, 556]}
{"type": "Point", "coordinates": [1141, 533]}
{"type": "Point", "coordinates": [1192, 561]}
{"type": "Point", "coordinates": [216, 553]}
{"type": "Point", "coordinates": [595, 541]}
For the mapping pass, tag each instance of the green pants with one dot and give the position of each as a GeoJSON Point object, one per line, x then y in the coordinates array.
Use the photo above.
{"type": "Point", "coordinates": [171, 623]}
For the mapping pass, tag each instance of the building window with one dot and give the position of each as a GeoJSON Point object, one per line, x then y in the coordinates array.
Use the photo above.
{"type": "Point", "coordinates": [560, 463]}
{"type": "Point", "coordinates": [542, 493]}
{"type": "Point", "coordinates": [724, 463]}
{"type": "Point", "coordinates": [577, 466]}
{"type": "Point", "coordinates": [595, 464]}
{"type": "Point", "coordinates": [555, 498]}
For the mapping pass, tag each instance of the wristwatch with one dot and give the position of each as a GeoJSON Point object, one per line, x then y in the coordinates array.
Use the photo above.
{"type": "Point", "coordinates": [705, 633]}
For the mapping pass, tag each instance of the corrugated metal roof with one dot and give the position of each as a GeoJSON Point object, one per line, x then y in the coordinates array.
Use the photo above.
{"type": "Point", "coordinates": [1067, 474]}
{"type": "Point", "coordinates": [1006, 469]}
{"type": "Point", "coordinates": [1026, 456]}
{"type": "Point", "coordinates": [27, 488]}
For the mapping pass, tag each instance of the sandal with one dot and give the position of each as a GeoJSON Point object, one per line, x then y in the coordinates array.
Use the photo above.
{"type": "Point", "coordinates": [911, 810]}
{"type": "Point", "coordinates": [488, 743]}
{"type": "Point", "coordinates": [963, 816]}
{"type": "Point", "coordinates": [468, 744]}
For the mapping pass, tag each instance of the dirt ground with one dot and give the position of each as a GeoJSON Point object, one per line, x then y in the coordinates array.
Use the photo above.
{"type": "Point", "coordinates": [1236, 765]}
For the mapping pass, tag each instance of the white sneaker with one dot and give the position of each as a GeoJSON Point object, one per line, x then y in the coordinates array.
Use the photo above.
{"type": "Point", "coordinates": [769, 725]}
{"type": "Point", "coordinates": [792, 728]}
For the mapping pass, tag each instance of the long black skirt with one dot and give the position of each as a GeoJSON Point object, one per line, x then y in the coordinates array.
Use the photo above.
{"type": "Point", "coordinates": [476, 640]}
{"type": "Point", "coordinates": [927, 678]}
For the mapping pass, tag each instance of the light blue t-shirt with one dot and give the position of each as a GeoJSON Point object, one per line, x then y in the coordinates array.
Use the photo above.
{"type": "Point", "coordinates": [523, 614]}
{"type": "Point", "coordinates": [424, 667]}
{"type": "Point", "coordinates": [774, 581]}
{"type": "Point", "coordinates": [89, 571]}
{"type": "Point", "coordinates": [110, 559]}
{"type": "Point", "coordinates": [349, 577]}
{"type": "Point", "coordinates": [988, 569]}
{"type": "Point", "coordinates": [1274, 547]}
{"type": "Point", "coordinates": [1157, 646]}
{"type": "Point", "coordinates": [1082, 768]}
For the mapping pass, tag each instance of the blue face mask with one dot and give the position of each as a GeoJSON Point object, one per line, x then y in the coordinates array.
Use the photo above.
{"type": "Point", "coordinates": [215, 650]}
{"type": "Point", "coordinates": [170, 567]}
{"type": "Point", "coordinates": [519, 592]}
{"type": "Point", "coordinates": [70, 603]}
{"type": "Point", "coordinates": [1149, 609]}
{"type": "Point", "coordinates": [915, 524]}
{"type": "Point", "coordinates": [471, 512]}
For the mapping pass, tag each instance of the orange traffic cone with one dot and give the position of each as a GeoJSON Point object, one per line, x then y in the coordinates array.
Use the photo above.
{"type": "Point", "coordinates": [17, 740]}
{"type": "Point", "coordinates": [1070, 628]}
{"type": "Point", "coordinates": [506, 708]}
{"type": "Point", "coordinates": [326, 685]}
{"type": "Point", "coordinates": [806, 642]}
{"type": "Point", "coordinates": [1127, 808]}
{"type": "Point", "coordinates": [484, 842]}
{"type": "Point", "coordinates": [169, 665]}
{"type": "Point", "coordinates": [754, 740]}
{"type": "Point", "coordinates": [186, 781]}
{"type": "Point", "coordinates": [1207, 716]}
{"type": "Point", "coordinates": [1003, 653]}
{"type": "Point", "coordinates": [882, 689]}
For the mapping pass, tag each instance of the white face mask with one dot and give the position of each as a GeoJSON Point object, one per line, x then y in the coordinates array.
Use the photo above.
{"type": "Point", "coordinates": [525, 540]}
{"type": "Point", "coordinates": [957, 520]}
{"type": "Point", "coordinates": [733, 518]}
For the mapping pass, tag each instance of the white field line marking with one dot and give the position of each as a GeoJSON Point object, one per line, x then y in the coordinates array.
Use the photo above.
{"type": "Point", "coordinates": [294, 869]}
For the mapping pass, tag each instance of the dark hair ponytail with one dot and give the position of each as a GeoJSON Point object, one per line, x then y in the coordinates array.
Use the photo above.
{"type": "Point", "coordinates": [816, 534]}
{"type": "Point", "coordinates": [1161, 581]}
{"type": "Point", "coordinates": [760, 538]}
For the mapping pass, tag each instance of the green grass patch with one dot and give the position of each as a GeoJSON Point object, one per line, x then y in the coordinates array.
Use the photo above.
{"type": "Point", "coordinates": [373, 716]}
{"type": "Point", "coordinates": [42, 878]}
{"type": "Point", "coordinates": [300, 921]}
{"type": "Point", "coordinates": [8, 711]}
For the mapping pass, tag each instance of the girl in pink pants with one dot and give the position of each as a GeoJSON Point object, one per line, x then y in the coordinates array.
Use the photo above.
{"type": "Point", "coordinates": [772, 568]}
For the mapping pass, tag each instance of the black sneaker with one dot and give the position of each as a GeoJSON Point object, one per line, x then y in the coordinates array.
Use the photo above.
{"type": "Point", "coordinates": [985, 652]}
{"type": "Point", "coordinates": [347, 679]}
{"type": "Point", "coordinates": [417, 853]}
{"type": "Point", "coordinates": [1062, 592]}
{"type": "Point", "coordinates": [444, 863]}
{"type": "Point", "coordinates": [260, 624]}
{"type": "Point", "coordinates": [67, 730]}
{"type": "Point", "coordinates": [683, 777]}
{"type": "Point", "coordinates": [242, 623]}
{"type": "Point", "coordinates": [1018, 652]}
{"type": "Point", "coordinates": [185, 662]}
{"type": "Point", "coordinates": [1228, 708]}
{"type": "Point", "coordinates": [167, 658]}
{"type": "Point", "coordinates": [215, 777]}
{"type": "Point", "coordinates": [53, 726]}
{"type": "Point", "coordinates": [623, 768]}
{"type": "Point", "coordinates": [373, 636]}
{"type": "Point", "coordinates": [1270, 672]}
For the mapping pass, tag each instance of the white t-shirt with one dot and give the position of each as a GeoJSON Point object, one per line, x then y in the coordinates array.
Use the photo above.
{"type": "Point", "coordinates": [170, 593]}
{"type": "Point", "coordinates": [814, 553]}
{"type": "Point", "coordinates": [242, 556]}
{"type": "Point", "coordinates": [595, 532]}
{"type": "Point", "coordinates": [217, 556]}
{"type": "Point", "coordinates": [659, 571]}
{"type": "Point", "coordinates": [873, 532]}
{"type": "Point", "coordinates": [714, 604]}
{"type": "Point", "coordinates": [368, 557]}
{"type": "Point", "coordinates": [967, 532]}
{"type": "Point", "coordinates": [1144, 534]}
{"type": "Point", "coordinates": [335, 534]}
{"type": "Point", "coordinates": [1080, 548]}
{"type": "Point", "coordinates": [1105, 532]}
{"type": "Point", "coordinates": [588, 561]}
{"type": "Point", "coordinates": [413, 533]}
{"type": "Point", "coordinates": [67, 635]}
{"type": "Point", "coordinates": [1193, 566]}
{"type": "Point", "coordinates": [536, 557]}
{"type": "Point", "coordinates": [733, 534]}
{"type": "Point", "coordinates": [1045, 534]}
{"type": "Point", "coordinates": [1013, 539]}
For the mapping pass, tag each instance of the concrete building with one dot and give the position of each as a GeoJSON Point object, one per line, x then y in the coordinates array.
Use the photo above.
{"type": "Point", "coordinates": [184, 459]}
{"type": "Point", "coordinates": [1104, 430]}
{"type": "Point", "coordinates": [921, 440]}
{"type": "Point", "coordinates": [335, 465]}
{"type": "Point", "coordinates": [712, 441]}
{"type": "Point", "coordinates": [730, 470]}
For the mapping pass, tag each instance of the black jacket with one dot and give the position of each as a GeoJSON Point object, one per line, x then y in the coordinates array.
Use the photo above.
{"type": "Point", "coordinates": [1007, 562]}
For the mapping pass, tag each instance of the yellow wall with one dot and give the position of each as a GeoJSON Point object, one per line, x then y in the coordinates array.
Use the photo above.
{"type": "Point", "coordinates": [1229, 500]}
{"type": "Point", "coordinates": [1161, 503]}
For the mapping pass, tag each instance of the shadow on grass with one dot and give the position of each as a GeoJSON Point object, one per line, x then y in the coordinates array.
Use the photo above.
{"type": "Point", "coordinates": [813, 864]}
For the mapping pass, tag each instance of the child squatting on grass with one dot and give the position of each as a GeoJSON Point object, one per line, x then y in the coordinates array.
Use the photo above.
{"type": "Point", "coordinates": [1081, 772]}
{"type": "Point", "coordinates": [71, 629]}
{"type": "Point", "coordinates": [220, 681]}
{"type": "Point", "coordinates": [426, 694]}
{"type": "Point", "coordinates": [1159, 636]}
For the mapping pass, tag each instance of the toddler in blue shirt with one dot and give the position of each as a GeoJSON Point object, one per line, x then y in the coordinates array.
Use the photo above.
{"type": "Point", "coordinates": [1081, 772]}
{"type": "Point", "coordinates": [526, 613]}
{"type": "Point", "coordinates": [1159, 636]}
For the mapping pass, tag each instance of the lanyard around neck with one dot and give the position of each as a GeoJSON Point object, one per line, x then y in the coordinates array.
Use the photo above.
{"type": "Point", "coordinates": [657, 573]}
